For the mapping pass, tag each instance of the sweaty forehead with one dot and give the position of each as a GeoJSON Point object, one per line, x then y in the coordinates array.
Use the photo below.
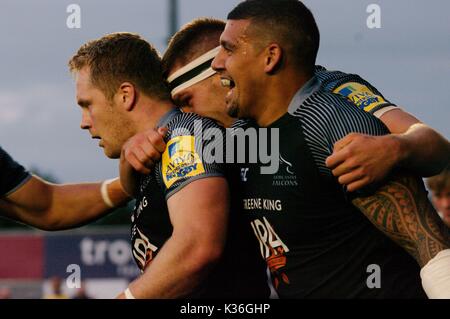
{"type": "Point", "coordinates": [236, 31]}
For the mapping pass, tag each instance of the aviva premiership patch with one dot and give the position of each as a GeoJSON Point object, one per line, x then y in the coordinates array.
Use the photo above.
{"type": "Point", "coordinates": [361, 96]}
{"type": "Point", "coordinates": [180, 160]}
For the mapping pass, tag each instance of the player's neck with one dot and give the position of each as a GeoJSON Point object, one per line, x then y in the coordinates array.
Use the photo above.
{"type": "Point", "coordinates": [279, 92]}
{"type": "Point", "coordinates": [151, 111]}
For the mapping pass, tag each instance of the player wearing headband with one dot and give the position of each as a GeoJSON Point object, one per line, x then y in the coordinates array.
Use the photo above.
{"type": "Point", "coordinates": [188, 47]}
{"type": "Point", "coordinates": [192, 73]}
{"type": "Point", "coordinates": [196, 43]}
{"type": "Point", "coordinates": [357, 160]}
{"type": "Point", "coordinates": [327, 239]}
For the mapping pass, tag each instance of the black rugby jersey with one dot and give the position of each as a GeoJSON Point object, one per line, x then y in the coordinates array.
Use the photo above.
{"type": "Point", "coordinates": [361, 93]}
{"type": "Point", "coordinates": [12, 174]}
{"type": "Point", "coordinates": [358, 91]}
{"type": "Point", "coordinates": [240, 273]}
{"type": "Point", "coordinates": [315, 242]}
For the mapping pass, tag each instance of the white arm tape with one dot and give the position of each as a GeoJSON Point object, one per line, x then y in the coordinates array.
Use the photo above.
{"type": "Point", "coordinates": [104, 192]}
{"type": "Point", "coordinates": [385, 109]}
{"type": "Point", "coordinates": [128, 294]}
{"type": "Point", "coordinates": [436, 276]}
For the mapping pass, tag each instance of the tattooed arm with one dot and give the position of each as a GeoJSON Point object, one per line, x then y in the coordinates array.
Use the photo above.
{"type": "Point", "coordinates": [401, 210]}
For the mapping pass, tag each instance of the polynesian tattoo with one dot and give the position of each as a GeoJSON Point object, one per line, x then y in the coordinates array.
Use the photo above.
{"type": "Point", "coordinates": [401, 210]}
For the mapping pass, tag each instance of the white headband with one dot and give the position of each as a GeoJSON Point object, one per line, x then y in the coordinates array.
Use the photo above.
{"type": "Point", "coordinates": [197, 75]}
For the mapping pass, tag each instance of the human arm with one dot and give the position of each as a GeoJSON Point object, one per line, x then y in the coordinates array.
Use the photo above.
{"type": "Point", "coordinates": [198, 238]}
{"type": "Point", "coordinates": [400, 209]}
{"type": "Point", "coordinates": [359, 160]}
{"type": "Point", "coordinates": [422, 149]}
{"type": "Point", "coordinates": [48, 206]}
{"type": "Point", "coordinates": [399, 206]}
{"type": "Point", "coordinates": [139, 155]}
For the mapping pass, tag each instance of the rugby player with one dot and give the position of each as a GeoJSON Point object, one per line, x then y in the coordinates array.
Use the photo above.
{"type": "Point", "coordinates": [186, 245]}
{"type": "Point", "coordinates": [357, 160]}
{"type": "Point", "coordinates": [267, 60]}
{"type": "Point", "coordinates": [196, 88]}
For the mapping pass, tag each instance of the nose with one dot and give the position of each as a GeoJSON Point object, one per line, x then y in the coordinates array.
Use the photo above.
{"type": "Point", "coordinates": [218, 64]}
{"type": "Point", "coordinates": [86, 122]}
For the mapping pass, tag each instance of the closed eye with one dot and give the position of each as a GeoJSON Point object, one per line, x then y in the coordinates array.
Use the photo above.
{"type": "Point", "coordinates": [84, 103]}
{"type": "Point", "coordinates": [227, 46]}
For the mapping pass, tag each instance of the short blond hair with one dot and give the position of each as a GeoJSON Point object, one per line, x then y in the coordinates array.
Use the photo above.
{"type": "Point", "coordinates": [122, 57]}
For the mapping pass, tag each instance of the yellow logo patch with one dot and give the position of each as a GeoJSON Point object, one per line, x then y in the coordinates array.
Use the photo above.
{"type": "Point", "coordinates": [180, 160]}
{"type": "Point", "coordinates": [360, 95]}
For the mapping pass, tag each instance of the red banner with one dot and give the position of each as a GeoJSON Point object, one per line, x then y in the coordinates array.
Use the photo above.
{"type": "Point", "coordinates": [21, 257]}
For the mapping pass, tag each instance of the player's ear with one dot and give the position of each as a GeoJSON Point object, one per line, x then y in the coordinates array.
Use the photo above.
{"type": "Point", "coordinates": [126, 96]}
{"type": "Point", "coordinates": [273, 58]}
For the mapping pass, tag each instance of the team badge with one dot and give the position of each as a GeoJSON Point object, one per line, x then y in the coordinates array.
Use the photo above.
{"type": "Point", "coordinates": [180, 160]}
{"type": "Point", "coordinates": [361, 96]}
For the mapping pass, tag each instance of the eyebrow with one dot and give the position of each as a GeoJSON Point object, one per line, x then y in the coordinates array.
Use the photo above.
{"type": "Point", "coordinates": [227, 45]}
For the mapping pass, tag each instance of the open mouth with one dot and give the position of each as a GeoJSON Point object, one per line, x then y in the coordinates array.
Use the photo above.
{"type": "Point", "coordinates": [98, 138]}
{"type": "Point", "coordinates": [227, 83]}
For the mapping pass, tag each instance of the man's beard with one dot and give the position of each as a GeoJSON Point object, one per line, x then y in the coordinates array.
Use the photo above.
{"type": "Point", "coordinates": [233, 110]}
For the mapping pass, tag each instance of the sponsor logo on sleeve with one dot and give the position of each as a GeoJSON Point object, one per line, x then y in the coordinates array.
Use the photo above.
{"type": "Point", "coordinates": [361, 96]}
{"type": "Point", "coordinates": [180, 160]}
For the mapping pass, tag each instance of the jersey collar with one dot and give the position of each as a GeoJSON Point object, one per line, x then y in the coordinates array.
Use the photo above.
{"type": "Point", "coordinates": [168, 117]}
{"type": "Point", "coordinates": [303, 93]}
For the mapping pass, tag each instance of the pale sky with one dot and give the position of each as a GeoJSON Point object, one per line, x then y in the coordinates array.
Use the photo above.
{"type": "Point", "coordinates": [407, 59]}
